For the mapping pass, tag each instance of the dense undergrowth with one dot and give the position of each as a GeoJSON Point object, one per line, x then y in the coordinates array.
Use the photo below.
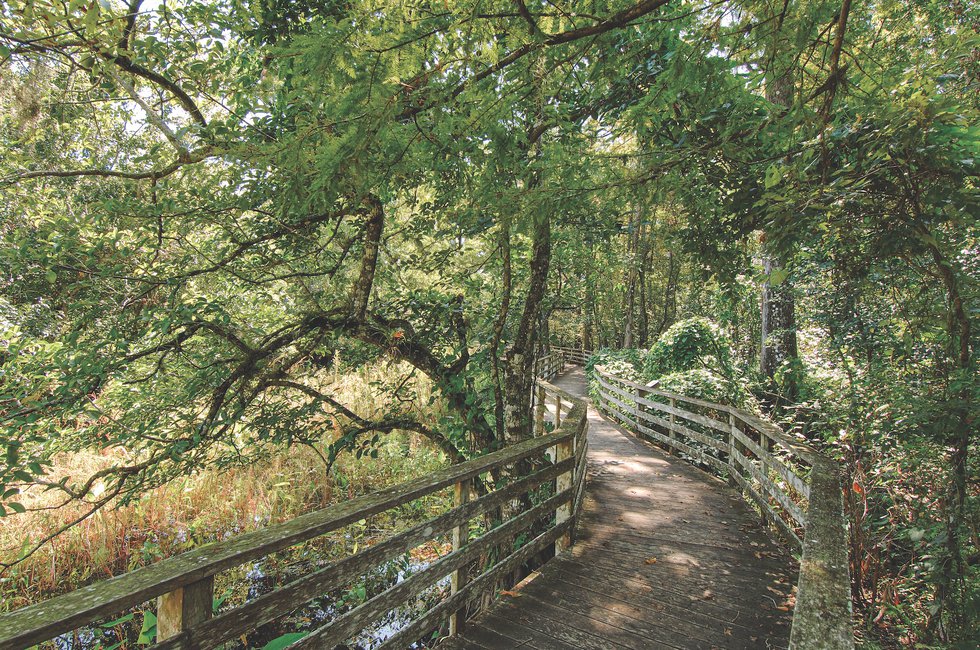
{"type": "Point", "coordinates": [692, 358]}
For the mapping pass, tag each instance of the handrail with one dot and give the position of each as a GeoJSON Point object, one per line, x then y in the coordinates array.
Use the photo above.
{"type": "Point", "coordinates": [183, 584]}
{"type": "Point", "coordinates": [574, 355]}
{"type": "Point", "coordinates": [797, 489]}
{"type": "Point", "coordinates": [549, 365]}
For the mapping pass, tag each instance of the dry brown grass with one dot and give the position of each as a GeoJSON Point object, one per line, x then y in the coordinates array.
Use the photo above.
{"type": "Point", "coordinates": [196, 509]}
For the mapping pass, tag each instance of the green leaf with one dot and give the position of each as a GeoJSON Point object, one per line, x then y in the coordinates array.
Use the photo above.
{"type": "Point", "coordinates": [773, 176]}
{"type": "Point", "coordinates": [119, 621]}
{"type": "Point", "coordinates": [283, 641]}
{"type": "Point", "coordinates": [778, 276]}
{"type": "Point", "coordinates": [148, 632]}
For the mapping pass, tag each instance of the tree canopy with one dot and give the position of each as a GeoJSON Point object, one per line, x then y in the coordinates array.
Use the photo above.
{"type": "Point", "coordinates": [209, 205]}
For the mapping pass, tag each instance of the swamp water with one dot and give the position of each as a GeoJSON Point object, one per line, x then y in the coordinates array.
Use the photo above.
{"type": "Point", "coordinates": [130, 630]}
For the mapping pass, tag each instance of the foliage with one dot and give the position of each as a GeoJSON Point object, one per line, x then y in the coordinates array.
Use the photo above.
{"type": "Point", "coordinates": [702, 383]}
{"type": "Point", "coordinates": [691, 344]}
{"type": "Point", "coordinates": [213, 210]}
{"type": "Point", "coordinates": [208, 506]}
{"type": "Point", "coordinates": [625, 363]}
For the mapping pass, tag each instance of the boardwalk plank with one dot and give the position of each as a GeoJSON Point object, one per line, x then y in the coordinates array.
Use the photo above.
{"type": "Point", "coordinates": [645, 613]}
{"type": "Point", "coordinates": [718, 580]}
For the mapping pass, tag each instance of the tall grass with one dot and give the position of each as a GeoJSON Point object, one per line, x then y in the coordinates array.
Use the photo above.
{"type": "Point", "coordinates": [200, 508]}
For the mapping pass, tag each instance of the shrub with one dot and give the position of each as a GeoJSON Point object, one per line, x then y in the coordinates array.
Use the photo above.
{"type": "Point", "coordinates": [692, 344]}
{"type": "Point", "coordinates": [702, 383]}
{"type": "Point", "coordinates": [622, 363]}
{"type": "Point", "coordinates": [625, 364]}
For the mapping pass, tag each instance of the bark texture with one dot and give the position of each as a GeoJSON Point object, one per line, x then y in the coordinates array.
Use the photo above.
{"type": "Point", "coordinates": [778, 341]}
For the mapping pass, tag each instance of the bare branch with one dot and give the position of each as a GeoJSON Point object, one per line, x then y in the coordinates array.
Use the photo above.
{"type": "Point", "coordinates": [153, 174]}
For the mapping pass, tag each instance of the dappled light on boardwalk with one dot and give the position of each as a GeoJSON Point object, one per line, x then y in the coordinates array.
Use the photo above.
{"type": "Point", "coordinates": [667, 556]}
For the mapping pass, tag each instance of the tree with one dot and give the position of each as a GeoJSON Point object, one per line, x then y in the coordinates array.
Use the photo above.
{"type": "Point", "coordinates": [206, 201]}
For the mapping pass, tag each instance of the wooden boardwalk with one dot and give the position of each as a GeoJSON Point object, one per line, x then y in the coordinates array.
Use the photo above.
{"type": "Point", "coordinates": [666, 557]}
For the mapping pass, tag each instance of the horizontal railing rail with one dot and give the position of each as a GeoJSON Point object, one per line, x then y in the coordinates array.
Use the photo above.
{"type": "Point", "coordinates": [797, 489]}
{"type": "Point", "coordinates": [573, 355]}
{"type": "Point", "coordinates": [183, 585]}
{"type": "Point", "coordinates": [549, 365]}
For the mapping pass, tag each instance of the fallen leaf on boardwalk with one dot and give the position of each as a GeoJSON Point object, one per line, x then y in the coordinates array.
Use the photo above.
{"type": "Point", "coordinates": [783, 608]}
{"type": "Point", "coordinates": [708, 594]}
{"type": "Point", "coordinates": [728, 631]}
{"type": "Point", "coordinates": [512, 594]}
{"type": "Point", "coordinates": [650, 560]}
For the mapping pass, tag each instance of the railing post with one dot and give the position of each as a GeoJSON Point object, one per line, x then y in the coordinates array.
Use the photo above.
{"type": "Point", "coordinates": [557, 410]}
{"type": "Point", "coordinates": [672, 420]}
{"type": "Point", "coordinates": [732, 450]}
{"type": "Point", "coordinates": [184, 608]}
{"type": "Point", "coordinates": [641, 393]}
{"type": "Point", "coordinates": [461, 535]}
{"type": "Point", "coordinates": [564, 482]}
{"type": "Point", "coordinates": [539, 409]}
{"type": "Point", "coordinates": [766, 445]}
{"type": "Point", "coordinates": [636, 409]}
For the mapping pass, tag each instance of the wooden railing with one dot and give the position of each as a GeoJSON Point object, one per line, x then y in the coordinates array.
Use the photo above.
{"type": "Point", "coordinates": [797, 489]}
{"type": "Point", "coordinates": [183, 585]}
{"type": "Point", "coordinates": [573, 355]}
{"type": "Point", "coordinates": [550, 365]}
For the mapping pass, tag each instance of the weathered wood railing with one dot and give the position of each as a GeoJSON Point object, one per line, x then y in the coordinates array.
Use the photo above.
{"type": "Point", "coordinates": [550, 365]}
{"type": "Point", "coordinates": [797, 490]}
{"type": "Point", "coordinates": [573, 355]}
{"type": "Point", "coordinates": [183, 585]}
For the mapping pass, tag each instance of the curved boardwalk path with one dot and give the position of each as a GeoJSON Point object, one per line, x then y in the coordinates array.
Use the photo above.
{"type": "Point", "coordinates": [666, 557]}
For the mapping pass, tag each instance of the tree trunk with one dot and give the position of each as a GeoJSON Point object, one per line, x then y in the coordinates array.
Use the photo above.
{"type": "Point", "coordinates": [544, 332]}
{"type": "Point", "coordinates": [778, 338]}
{"type": "Point", "coordinates": [520, 357]}
{"type": "Point", "coordinates": [373, 227]}
{"type": "Point", "coordinates": [643, 324]}
{"type": "Point", "coordinates": [498, 328]}
{"type": "Point", "coordinates": [632, 255]}
{"type": "Point", "coordinates": [588, 307]}
{"type": "Point", "coordinates": [669, 311]}
{"type": "Point", "coordinates": [778, 331]}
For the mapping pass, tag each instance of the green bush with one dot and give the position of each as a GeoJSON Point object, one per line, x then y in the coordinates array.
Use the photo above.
{"type": "Point", "coordinates": [692, 358]}
{"type": "Point", "coordinates": [702, 383]}
{"type": "Point", "coordinates": [622, 363]}
{"type": "Point", "coordinates": [692, 344]}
